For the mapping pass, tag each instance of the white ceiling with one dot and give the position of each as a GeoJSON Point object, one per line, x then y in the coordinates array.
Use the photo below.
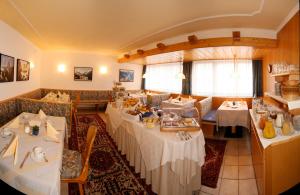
{"type": "Point", "coordinates": [115, 26]}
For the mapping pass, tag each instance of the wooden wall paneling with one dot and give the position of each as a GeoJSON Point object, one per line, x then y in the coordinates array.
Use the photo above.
{"type": "Point", "coordinates": [287, 51]}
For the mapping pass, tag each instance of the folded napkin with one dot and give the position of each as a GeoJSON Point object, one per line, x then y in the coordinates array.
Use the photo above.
{"type": "Point", "coordinates": [15, 123]}
{"type": "Point", "coordinates": [42, 115]}
{"type": "Point", "coordinates": [51, 131]}
{"type": "Point", "coordinates": [12, 149]}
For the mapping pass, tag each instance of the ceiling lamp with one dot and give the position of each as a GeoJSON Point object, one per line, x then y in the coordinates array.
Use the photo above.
{"type": "Point", "coordinates": [180, 75]}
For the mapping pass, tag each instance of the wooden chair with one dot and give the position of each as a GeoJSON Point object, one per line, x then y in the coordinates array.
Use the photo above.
{"type": "Point", "coordinates": [75, 165]}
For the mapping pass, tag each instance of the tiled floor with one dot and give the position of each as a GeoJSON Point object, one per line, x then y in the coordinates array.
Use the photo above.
{"type": "Point", "coordinates": [236, 175]}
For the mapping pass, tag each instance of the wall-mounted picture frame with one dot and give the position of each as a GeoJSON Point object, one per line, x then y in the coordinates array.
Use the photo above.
{"type": "Point", "coordinates": [6, 68]}
{"type": "Point", "coordinates": [23, 70]}
{"type": "Point", "coordinates": [83, 73]}
{"type": "Point", "coordinates": [126, 75]}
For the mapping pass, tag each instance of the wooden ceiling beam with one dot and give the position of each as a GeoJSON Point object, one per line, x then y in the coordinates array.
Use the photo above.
{"type": "Point", "coordinates": [126, 56]}
{"type": "Point", "coordinates": [161, 46]}
{"type": "Point", "coordinates": [192, 39]}
{"type": "Point", "coordinates": [140, 51]}
{"type": "Point", "coordinates": [202, 43]}
{"type": "Point", "coordinates": [236, 35]}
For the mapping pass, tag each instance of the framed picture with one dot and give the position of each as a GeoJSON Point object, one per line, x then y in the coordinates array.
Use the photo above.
{"type": "Point", "coordinates": [126, 75]}
{"type": "Point", "coordinates": [23, 68]}
{"type": "Point", "coordinates": [83, 73]}
{"type": "Point", "coordinates": [6, 68]}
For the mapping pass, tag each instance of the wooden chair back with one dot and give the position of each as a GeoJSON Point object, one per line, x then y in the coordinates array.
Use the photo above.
{"type": "Point", "coordinates": [77, 97]}
{"type": "Point", "coordinates": [91, 135]}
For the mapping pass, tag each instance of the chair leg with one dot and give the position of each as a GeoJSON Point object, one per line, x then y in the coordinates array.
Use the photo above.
{"type": "Point", "coordinates": [81, 191]}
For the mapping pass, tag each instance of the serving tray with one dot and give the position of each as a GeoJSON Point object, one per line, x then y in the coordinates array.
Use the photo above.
{"type": "Point", "coordinates": [180, 125]}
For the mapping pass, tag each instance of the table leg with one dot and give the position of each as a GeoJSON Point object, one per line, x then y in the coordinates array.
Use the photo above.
{"type": "Point", "coordinates": [233, 129]}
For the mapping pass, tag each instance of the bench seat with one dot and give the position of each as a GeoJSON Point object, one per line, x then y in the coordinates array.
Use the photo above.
{"type": "Point", "coordinates": [210, 116]}
{"type": "Point", "coordinates": [97, 103]}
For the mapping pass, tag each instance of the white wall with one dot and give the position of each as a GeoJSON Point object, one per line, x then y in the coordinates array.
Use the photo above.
{"type": "Point", "coordinates": [14, 44]}
{"type": "Point", "coordinates": [51, 78]}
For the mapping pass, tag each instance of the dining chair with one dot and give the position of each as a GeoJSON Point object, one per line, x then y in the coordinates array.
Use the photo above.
{"type": "Point", "coordinates": [206, 111]}
{"type": "Point", "coordinates": [75, 165]}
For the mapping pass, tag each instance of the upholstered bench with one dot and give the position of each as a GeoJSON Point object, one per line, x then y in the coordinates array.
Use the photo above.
{"type": "Point", "coordinates": [210, 117]}
{"type": "Point", "coordinates": [207, 114]}
{"type": "Point", "coordinates": [97, 103]}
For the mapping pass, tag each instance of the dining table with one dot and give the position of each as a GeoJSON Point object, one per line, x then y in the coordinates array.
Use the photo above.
{"type": "Point", "coordinates": [33, 177]}
{"type": "Point", "coordinates": [60, 98]}
{"type": "Point", "coordinates": [171, 165]}
{"type": "Point", "coordinates": [156, 98]}
{"type": "Point", "coordinates": [233, 113]}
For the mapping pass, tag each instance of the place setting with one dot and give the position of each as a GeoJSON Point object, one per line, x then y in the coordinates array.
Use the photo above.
{"type": "Point", "coordinates": [37, 154]}
{"type": "Point", "coordinates": [183, 135]}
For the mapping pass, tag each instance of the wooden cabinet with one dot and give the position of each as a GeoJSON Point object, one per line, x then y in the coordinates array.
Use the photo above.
{"type": "Point", "coordinates": [276, 167]}
{"type": "Point", "coordinates": [257, 159]}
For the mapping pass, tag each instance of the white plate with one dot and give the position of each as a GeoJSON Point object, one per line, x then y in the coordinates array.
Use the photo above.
{"type": "Point", "coordinates": [34, 158]}
{"type": "Point", "coordinates": [6, 133]}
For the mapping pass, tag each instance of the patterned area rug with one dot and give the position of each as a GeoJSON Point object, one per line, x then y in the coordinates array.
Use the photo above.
{"type": "Point", "coordinates": [109, 172]}
{"type": "Point", "coordinates": [213, 161]}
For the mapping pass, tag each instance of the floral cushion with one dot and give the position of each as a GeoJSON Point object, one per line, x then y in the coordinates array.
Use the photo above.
{"type": "Point", "coordinates": [71, 164]}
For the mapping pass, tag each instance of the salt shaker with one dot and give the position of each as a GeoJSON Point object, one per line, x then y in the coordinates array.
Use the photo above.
{"type": "Point", "coordinates": [27, 128]}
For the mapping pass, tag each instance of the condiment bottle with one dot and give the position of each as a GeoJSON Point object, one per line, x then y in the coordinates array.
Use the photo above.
{"type": "Point", "coordinates": [279, 120]}
{"type": "Point", "coordinates": [269, 131]}
{"type": "Point", "coordinates": [286, 128]}
{"type": "Point", "coordinates": [262, 122]}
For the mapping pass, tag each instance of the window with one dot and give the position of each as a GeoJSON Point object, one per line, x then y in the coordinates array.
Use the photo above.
{"type": "Point", "coordinates": [163, 77]}
{"type": "Point", "coordinates": [222, 78]}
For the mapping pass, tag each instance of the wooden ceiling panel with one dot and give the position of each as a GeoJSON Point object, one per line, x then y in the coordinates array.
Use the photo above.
{"type": "Point", "coordinates": [209, 53]}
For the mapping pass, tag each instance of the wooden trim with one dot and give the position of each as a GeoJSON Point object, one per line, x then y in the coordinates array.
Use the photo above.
{"type": "Point", "coordinates": [201, 43]}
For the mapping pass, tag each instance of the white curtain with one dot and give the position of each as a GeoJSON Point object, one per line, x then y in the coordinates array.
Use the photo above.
{"type": "Point", "coordinates": [222, 78]}
{"type": "Point", "coordinates": [164, 77]}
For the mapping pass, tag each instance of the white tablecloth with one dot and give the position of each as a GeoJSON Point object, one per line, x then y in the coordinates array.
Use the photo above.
{"type": "Point", "coordinates": [229, 115]}
{"type": "Point", "coordinates": [53, 97]}
{"type": "Point", "coordinates": [34, 178]}
{"type": "Point", "coordinates": [156, 98]}
{"type": "Point", "coordinates": [174, 103]}
{"type": "Point", "coordinates": [170, 165]}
